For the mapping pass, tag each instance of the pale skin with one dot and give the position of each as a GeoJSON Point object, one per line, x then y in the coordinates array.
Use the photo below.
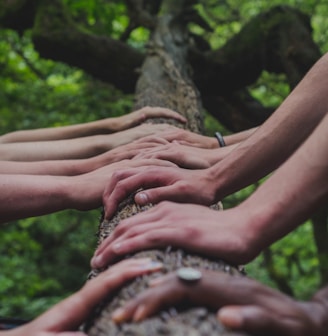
{"type": "Point", "coordinates": [239, 234]}
{"type": "Point", "coordinates": [242, 304]}
{"type": "Point", "coordinates": [279, 205]}
{"type": "Point", "coordinates": [77, 148]}
{"type": "Point", "coordinates": [186, 156]}
{"type": "Point", "coordinates": [77, 166]}
{"type": "Point", "coordinates": [103, 126]}
{"type": "Point", "coordinates": [35, 195]}
{"type": "Point", "coordinates": [64, 318]}
{"type": "Point", "coordinates": [262, 152]}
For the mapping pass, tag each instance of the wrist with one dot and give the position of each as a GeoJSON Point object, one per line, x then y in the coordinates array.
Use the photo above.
{"type": "Point", "coordinates": [257, 223]}
{"type": "Point", "coordinates": [213, 143]}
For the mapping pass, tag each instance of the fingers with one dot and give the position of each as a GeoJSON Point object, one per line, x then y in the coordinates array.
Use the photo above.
{"type": "Point", "coordinates": [257, 320]}
{"type": "Point", "coordinates": [70, 313]}
{"type": "Point", "coordinates": [156, 112]}
{"type": "Point", "coordinates": [123, 183]}
{"type": "Point", "coordinates": [68, 333]}
{"type": "Point", "coordinates": [152, 300]}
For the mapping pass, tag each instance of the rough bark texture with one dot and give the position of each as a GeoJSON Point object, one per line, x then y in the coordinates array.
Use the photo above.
{"type": "Point", "coordinates": [164, 82]}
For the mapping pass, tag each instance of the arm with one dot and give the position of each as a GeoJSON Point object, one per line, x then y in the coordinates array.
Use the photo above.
{"type": "Point", "coordinates": [272, 143]}
{"type": "Point", "coordinates": [268, 147]}
{"type": "Point", "coordinates": [236, 138]}
{"type": "Point", "coordinates": [35, 195]}
{"type": "Point", "coordinates": [186, 156]}
{"type": "Point", "coordinates": [66, 317]}
{"type": "Point", "coordinates": [78, 148]}
{"type": "Point", "coordinates": [77, 166]}
{"type": "Point", "coordinates": [243, 304]}
{"type": "Point", "coordinates": [278, 206]}
{"type": "Point", "coordinates": [103, 126]}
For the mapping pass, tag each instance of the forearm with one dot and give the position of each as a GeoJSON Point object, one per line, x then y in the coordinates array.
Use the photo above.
{"type": "Point", "coordinates": [61, 132]}
{"type": "Point", "coordinates": [292, 193]}
{"type": "Point", "coordinates": [55, 150]}
{"type": "Point", "coordinates": [51, 167]}
{"type": "Point", "coordinates": [25, 196]}
{"type": "Point", "coordinates": [235, 138]}
{"type": "Point", "coordinates": [273, 142]}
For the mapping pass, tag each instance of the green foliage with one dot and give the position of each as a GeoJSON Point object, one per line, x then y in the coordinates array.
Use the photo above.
{"type": "Point", "coordinates": [44, 259]}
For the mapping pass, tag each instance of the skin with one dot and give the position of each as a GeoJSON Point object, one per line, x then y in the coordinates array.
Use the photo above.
{"type": "Point", "coordinates": [238, 234]}
{"type": "Point", "coordinates": [104, 126]}
{"type": "Point", "coordinates": [77, 148]}
{"type": "Point", "coordinates": [77, 166]}
{"type": "Point", "coordinates": [243, 305]}
{"type": "Point", "coordinates": [64, 318]}
{"type": "Point", "coordinates": [36, 195]}
{"type": "Point", "coordinates": [261, 153]}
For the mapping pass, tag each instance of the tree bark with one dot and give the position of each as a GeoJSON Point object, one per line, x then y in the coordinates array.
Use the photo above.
{"type": "Point", "coordinates": [164, 82]}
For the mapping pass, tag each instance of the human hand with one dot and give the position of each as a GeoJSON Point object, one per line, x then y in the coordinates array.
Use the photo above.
{"type": "Point", "coordinates": [139, 116]}
{"type": "Point", "coordinates": [134, 133]}
{"type": "Point", "coordinates": [244, 305]}
{"type": "Point", "coordinates": [221, 234]}
{"type": "Point", "coordinates": [127, 151]}
{"type": "Point", "coordinates": [85, 192]}
{"type": "Point", "coordinates": [64, 318]}
{"type": "Point", "coordinates": [185, 137]}
{"type": "Point", "coordinates": [169, 183]}
{"type": "Point", "coordinates": [184, 156]}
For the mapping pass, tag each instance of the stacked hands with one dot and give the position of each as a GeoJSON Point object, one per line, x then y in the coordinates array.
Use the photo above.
{"type": "Point", "coordinates": [180, 172]}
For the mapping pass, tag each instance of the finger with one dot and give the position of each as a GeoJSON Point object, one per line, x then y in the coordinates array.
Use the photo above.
{"type": "Point", "coordinates": [149, 216]}
{"type": "Point", "coordinates": [256, 320]}
{"type": "Point", "coordinates": [124, 183]}
{"type": "Point", "coordinates": [156, 195]}
{"type": "Point", "coordinates": [70, 313]}
{"type": "Point", "coordinates": [164, 112]}
{"type": "Point", "coordinates": [151, 301]}
{"type": "Point", "coordinates": [143, 239]}
{"type": "Point", "coordinates": [67, 333]}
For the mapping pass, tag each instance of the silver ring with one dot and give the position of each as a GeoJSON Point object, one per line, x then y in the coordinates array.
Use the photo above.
{"type": "Point", "coordinates": [189, 274]}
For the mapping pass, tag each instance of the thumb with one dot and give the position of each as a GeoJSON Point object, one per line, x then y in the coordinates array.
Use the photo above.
{"type": "Point", "coordinates": [251, 319]}
{"type": "Point", "coordinates": [67, 333]}
{"type": "Point", "coordinates": [156, 195]}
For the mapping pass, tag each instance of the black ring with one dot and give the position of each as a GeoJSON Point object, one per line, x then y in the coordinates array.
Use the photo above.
{"type": "Point", "coordinates": [219, 136]}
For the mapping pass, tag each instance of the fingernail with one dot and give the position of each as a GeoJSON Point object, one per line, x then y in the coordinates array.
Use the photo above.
{"type": "Point", "coordinates": [141, 198]}
{"type": "Point", "coordinates": [116, 247]}
{"type": "Point", "coordinates": [97, 261]}
{"type": "Point", "coordinates": [230, 317]}
{"type": "Point", "coordinates": [139, 314]}
{"type": "Point", "coordinates": [118, 315]}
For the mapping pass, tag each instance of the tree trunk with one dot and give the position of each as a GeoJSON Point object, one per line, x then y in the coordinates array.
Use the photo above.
{"type": "Point", "coordinates": [164, 81]}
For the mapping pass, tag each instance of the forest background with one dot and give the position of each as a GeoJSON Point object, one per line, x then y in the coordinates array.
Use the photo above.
{"type": "Point", "coordinates": [46, 258]}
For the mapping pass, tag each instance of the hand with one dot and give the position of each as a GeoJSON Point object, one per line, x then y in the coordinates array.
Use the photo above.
{"type": "Point", "coordinates": [174, 184]}
{"type": "Point", "coordinates": [221, 234]}
{"type": "Point", "coordinates": [247, 305]}
{"type": "Point", "coordinates": [85, 191]}
{"type": "Point", "coordinates": [183, 156]}
{"type": "Point", "coordinates": [127, 151]}
{"type": "Point", "coordinates": [137, 117]}
{"type": "Point", "coordinates": [187, 138]}
{"type": "Point", "coordinates": [64, 318]}
{"type": "Point", "coordinates": [121, 138]}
